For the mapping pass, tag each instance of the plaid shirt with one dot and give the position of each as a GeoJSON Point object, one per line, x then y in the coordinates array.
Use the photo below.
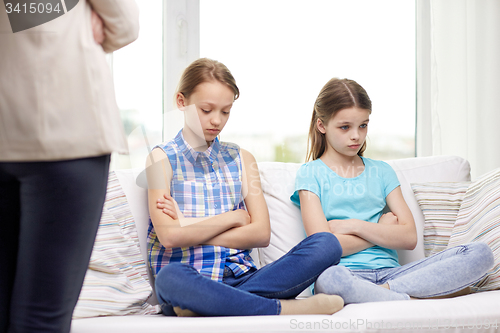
{"type": "Point", "coordinates": [203, 184]}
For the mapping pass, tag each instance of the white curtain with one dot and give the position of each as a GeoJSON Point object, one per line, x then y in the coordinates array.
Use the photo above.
{"type": "Point", "coordinates": [458, 81]}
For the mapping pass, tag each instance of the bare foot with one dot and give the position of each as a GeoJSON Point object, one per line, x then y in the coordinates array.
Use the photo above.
{"type": "Point", "coordinates": [316, 304]}
{"type": "Point", "coordinates": [184, 312]}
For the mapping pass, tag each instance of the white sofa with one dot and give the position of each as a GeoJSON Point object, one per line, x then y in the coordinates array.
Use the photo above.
{"type": "Point", "coordinates": [475, 312]}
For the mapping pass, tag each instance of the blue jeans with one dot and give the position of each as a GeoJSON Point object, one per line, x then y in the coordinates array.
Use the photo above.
{"type": "Point", "coordinates": [441, 274]}
{"type": "Point", "coordinates": [256, 292]}
{"type": "Point", "coordinates": [49, 215]}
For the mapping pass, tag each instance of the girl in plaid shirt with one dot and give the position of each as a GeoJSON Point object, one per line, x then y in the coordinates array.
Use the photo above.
{"type": "Point", "coordinates": [207, 211]}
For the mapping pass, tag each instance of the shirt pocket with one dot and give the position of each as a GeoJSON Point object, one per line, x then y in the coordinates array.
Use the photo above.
{"type": "Point", "coordinates": [191, 196]}
{"type": "Point", "coordinates": [231, 194]}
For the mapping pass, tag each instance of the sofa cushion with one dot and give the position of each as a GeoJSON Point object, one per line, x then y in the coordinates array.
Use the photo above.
{"type": "Point", "coordinates": [116, 282]}
{"type": "Point", "coordinates": [478, 220]}
{"type": "Point", "coordinates": [278, 182]}
{"type": "Point", "coordinates": [134, 184]}
{"type": "Point", "coordinates": [439, 203]}
{"type": "Point", "coordinates": [471, 313]}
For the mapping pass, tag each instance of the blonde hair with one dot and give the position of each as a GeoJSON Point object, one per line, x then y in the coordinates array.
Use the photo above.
{"type": "Point", "coordinates": [336, 94]}
{"type": "Point", "coordinates": [206, 70]}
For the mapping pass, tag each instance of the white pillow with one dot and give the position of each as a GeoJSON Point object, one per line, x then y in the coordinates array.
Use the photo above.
{"type": "Point", "coordinates": [440, 203]}
{"type": "Point", "coordinates": [478, 220]}
{"type": "Point", "coordinates": [116, 282]}
{"type": "Point", "coordinates": [134, 184]}
{"type": "Point", "coordinates": [423, 170]}
{"type": "Point", "coordinates": [287, 230]}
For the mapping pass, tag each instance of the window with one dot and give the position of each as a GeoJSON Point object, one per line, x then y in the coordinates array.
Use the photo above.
{"type": "Point", "coordinates": [138, 80]}
{"type": "Point", "coordinates": [282, 52]}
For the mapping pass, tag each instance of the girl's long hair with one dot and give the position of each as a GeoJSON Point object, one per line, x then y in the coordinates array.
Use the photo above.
{"type": "Point", "coordinates": [206, 70]}
{"type": "Point", "coordinates": [337, 94]}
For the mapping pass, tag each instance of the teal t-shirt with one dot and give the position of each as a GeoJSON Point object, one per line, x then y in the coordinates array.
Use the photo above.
{"type": "Point", "coordinates": [362, 197]}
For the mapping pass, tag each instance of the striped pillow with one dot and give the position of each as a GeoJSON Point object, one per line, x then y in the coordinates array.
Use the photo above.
{"type": "Point", "coordinates": [440, 203]}
{"type": "Point", "coordinates": [478, 220]}
{"type": "Point", "coordinates": [116, 282]}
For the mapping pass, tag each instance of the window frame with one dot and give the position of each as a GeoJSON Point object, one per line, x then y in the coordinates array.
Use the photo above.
{"type": "Point", "coordinates": [181, 46]}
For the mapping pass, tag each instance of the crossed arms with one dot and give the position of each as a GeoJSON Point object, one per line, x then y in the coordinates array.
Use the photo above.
{"type": "Point", "coordinates": [240, 229]}
{"type": "Point", "coordinates": [248, 229]}
{"type": "Point", "coordinates": [395, 230]}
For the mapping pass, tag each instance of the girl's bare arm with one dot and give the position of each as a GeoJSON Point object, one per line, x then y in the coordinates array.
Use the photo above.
{"type": "Point", "coordinates": [170, 231]}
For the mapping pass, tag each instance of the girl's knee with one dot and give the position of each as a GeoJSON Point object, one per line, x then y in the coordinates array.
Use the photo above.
{"type": "Point", "coordinates": [334, 274]}
{"type": "Point", "coordinates": [173, 282]}
{"type": "Point", "coordinates": [483, 255]}
{"type": "Point", "coordinates": [328, 246]}
{"type": "Point", "coordinates": [168, 270]}
{"type": "Point", "coordinates": [337, 273]}
{"type": "Point", "coordinates": [171, 276]}
{"type": "Point", "coordinates": [327, 237]}
{"type": "Point", "coordinates": [332, 280]}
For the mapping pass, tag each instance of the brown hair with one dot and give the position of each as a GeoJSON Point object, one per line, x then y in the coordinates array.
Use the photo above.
{"type": "Point", "coordinates": [337, 94]}
{"type": "Point", "coordinates": [206, 70]}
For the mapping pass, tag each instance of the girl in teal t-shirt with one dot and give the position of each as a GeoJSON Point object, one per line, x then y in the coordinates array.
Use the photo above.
{"type": "Point", "coordinates": [342, 192]}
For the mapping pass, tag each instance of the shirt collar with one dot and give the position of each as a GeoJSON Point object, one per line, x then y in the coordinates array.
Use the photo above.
{"type": "Point", "coordinates": [191, 154]}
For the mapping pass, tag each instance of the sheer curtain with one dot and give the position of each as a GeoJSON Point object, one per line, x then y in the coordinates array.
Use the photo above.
{"type": "Point", "coordinates": [458, 81]}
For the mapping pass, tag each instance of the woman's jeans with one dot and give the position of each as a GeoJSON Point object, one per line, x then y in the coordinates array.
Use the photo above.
{"type": "Point", "coordinates": [256, 292]}
{"type": "Point", "coordinates": [49, 215]}
{"type": "Point", "coordinates": [441, 274]}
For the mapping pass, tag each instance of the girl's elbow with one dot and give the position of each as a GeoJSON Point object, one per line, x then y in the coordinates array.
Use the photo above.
{"type": "Point", "coordinates": [411, 238]}
{"type": "Point", "coordinates": [410, 246]}
{"type": "Point", "coordinates": [171, 239]}
{"type": "Point", "coordinates": [167, 242]}
{"type": "Point", "coordinates": [264, 239]}
{"type": "Point", "coordinates": [415, 242]}
{"type": "Point", "coordinates": [412, 242]}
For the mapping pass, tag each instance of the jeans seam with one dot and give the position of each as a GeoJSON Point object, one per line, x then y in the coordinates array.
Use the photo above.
{"type": "Point", "coordinates": [308, 282]}
{"type": "Point", "coordinates": [461, 250]}
{"type": "Point", "coordinates": [420, 262]}
{"type": "Point", "coordinates": [392, 275]}
{"type": "Point", "coordinates": [454, 290]}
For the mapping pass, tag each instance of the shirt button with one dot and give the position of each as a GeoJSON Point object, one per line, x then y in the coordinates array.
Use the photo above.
{"type": "Point", "coordinates": [215, 206]}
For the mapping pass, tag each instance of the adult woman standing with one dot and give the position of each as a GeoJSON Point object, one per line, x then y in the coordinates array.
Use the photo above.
{"type": "Point", "coordinates": [59, 123]}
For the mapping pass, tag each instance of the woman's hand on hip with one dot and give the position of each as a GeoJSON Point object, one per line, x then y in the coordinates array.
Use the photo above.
{"type": "Point", "coordinates": [97, 27]}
